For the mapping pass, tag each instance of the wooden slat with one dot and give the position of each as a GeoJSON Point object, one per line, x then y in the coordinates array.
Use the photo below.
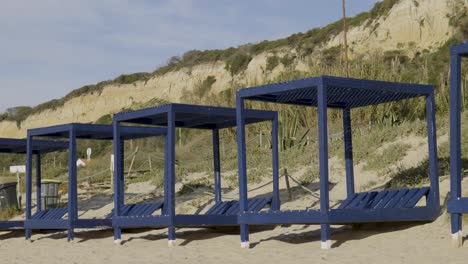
{"type": "Point", "coordinates": [367, 200]}
{"type": "Point", "coordinates": [233, 209]}
{"type": "Point", "coordinates": [377, 199]}
{"type": "Point", "coordinates": [415, 199]}
{"type": "Point", "coordinates": [390, 194]}
{"type": "Point", "coordinates": [215, 207]}
{"type": "Point", "coordinates": [407, 197]}
{"type": "Point", "coordinates": [222, 210]}
{"type": "Point", "coordinates": [356, 201]}
{"type": "Point", "coordinates": [394, 201]}
{"type": "Point", "coordinates": [347, 201]}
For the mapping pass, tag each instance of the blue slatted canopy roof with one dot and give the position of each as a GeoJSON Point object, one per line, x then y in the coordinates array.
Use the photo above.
{"type": "Point", "coordinates": [341, 92]}
{"type": "Point", "coordinates": [95, 132]}
{"type": "Point", "coordinates": [193, 116]}
{"type": "Point", "coordinates": [19, 146]}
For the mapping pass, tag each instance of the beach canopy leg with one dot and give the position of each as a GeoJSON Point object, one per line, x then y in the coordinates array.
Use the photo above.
{"type": "Point", "coordinates": [455, 141]}
{"type": "Point", "coordinates": [323, 163]}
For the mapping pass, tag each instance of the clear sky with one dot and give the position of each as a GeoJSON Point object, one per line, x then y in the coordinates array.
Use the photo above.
{"type": "Point", "coordinates": [50, 47]}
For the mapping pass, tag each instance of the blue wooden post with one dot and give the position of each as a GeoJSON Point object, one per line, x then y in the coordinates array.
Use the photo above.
{"type": "Point", "coordinates": [29, 152]}
{"type": "Point", "coordinates": [118, 170]}
{"type": "Point", "coordinates": [434, 200]}
{"type": "Point", "coordinates": [455, 141]}
{"type": "Point", "coordinates": [71, 183]}
{"type": "Point", "coordinates": [323, 158]}
{"type": "Point", "coordinates": [276, 204]}
{"type": "Point", "coordinates": [38, 182]}
{"type": "Point", "coordinates": [217, 166]}
{"type": "Point", "coordinates": [348, 145]}
{"type": "Point", "coordinates": [242, 164]}
{"type": "Point", "coordinates": [165, 209]}
{"type": "Point", "coordinates": [171, 175]}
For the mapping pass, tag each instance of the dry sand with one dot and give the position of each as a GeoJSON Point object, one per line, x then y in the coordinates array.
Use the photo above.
{"type": "Point", "coordinates": [373, 243]}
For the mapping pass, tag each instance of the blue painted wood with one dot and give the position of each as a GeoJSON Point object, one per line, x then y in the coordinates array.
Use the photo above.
{"type": "Point", "coordinates": [433, 199]}
{"type": "Point", "coordinates": [7, 225]}
{"type": "Point", "coordinates": [459, 206]}
{"type": "Point", "coordinates": [323, 157]}
{"type": "Point", "coordinates": [388, 197]}
{"type": "Point", "coordinates": [343, 93]}
{"type": "Point", "coordinates": [347, 201]}
{"type": "Point", "coordinates": [337, 216]}
{"type": "Point", "coordinates": [28, 213]}
{"type": "Point", "coordinates": [193, 116]}
{"type": "Point", "coordinates": [141, 221]}
{"type": "Point", "coordinates": [417, 197]}
{"type": "Point", "coordinates": [38, 183]}
{"type": "Point", "coordinates": [47, 219]}
{"type": "Point", "coordinates": [457, 52]}
{"type": "Point", "coordinates": [205, 220]}
{"type": "Point", "coordinates": [50, 214]}
{"type": "Point", "coordinates": [19, 146]}
{"type": "Point", "coordinates": [118, 171]}
{"type": "Point", "coordinates": [377, 199]}
{"type": "Point", "coordinates": [348, 147]}
{"type": "Point", "coordinates": [356, 200]}
{"type": "Point", "coordinates": [276, 203]}
{"type": "Point", "coordinates": [216, 166]}
{"type": "Point", "coordinates": [396, 199]}
{"type": "Point", "coordinates": [170, 159]}
{"type": "Point", "coordinates": [72, 198]}
{"type": "Point", "coordinates": [365, 204]}
{"type": "Point", "coordinates": [242, 165]}
{"type": "Point", "coordinates": [405, 199]}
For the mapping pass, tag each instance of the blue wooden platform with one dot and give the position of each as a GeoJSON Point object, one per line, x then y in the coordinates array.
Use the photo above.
{"type": "Point", "coordinates": [343, 94]}
{"type": "Point", "coordinates": [187, 116]}
{"type": "Point", "coordinates": [54, 218]}
{"type": "Point", "coordinates": [144, 209]}
{"type": "Point", "coordinates": [232, 207]}
{"type": "Point", "coordinates": [403, 198]}
{"type": "Point", "coordinates": [19, 146]}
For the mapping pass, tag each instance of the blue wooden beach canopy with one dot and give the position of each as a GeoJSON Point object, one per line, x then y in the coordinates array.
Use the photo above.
{"type": "Point", "coordinates": [197, 117]}
{"type": "Point", "coordinates": [457, 205]}
{"type": "Point", "coordinates": [342, 93]}
{"type": "Point", "coordinates": [54, 218]}
{"type": "Point", "coordinates": [18, 146]}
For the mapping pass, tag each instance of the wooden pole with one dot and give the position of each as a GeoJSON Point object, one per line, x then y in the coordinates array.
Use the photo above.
{"type": "Point", "coordinates": [288, 186]}
{"type": "Point", "coordinates": [150, 164]}
{"type": "Point", "coordinates": [345, 34]}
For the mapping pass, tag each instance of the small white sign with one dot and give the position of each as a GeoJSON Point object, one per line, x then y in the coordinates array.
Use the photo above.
{"type": "Point", "coordinates": [18, 169]}
{"type": "Point", "coordinates": [89, 151]}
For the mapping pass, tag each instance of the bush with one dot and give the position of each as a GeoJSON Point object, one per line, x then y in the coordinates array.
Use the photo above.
{"type": "Point", "coordinates": [272, 62]}
{"type": "Point", "coordinates": [204, 87]}
{"type": "Point", "coordinates": [238, 63]}
{"type": "Point", "coordinates": [287, 60]}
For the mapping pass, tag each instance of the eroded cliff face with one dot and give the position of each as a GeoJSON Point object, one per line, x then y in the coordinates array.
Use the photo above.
{"type": "Point", "coordinates": [410, 25]}
{"type": "Point", "coordinates": [413, 25]}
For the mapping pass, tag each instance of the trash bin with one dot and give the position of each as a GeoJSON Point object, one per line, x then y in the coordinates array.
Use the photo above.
{"type": "Point", "coordinates": [8, 197]}
{"type": "Point", "coordinates": [50, 194]}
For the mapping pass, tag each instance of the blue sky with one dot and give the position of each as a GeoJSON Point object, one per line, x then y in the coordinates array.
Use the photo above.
{"type": "Point", "coordinates": [50, 47]}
